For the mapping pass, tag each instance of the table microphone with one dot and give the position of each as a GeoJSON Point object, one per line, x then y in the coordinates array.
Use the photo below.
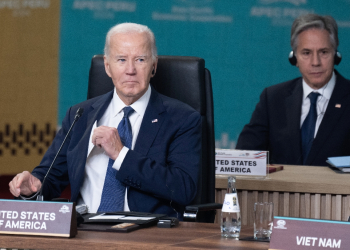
{"type": "Point", "coordinates": [39, 196]}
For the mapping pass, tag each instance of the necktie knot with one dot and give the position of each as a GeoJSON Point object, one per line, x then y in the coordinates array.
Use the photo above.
{"type": "Point", "coordinates": [313, 97]}
{"type": "Point", "coordinates": [124, 127]}
{"type": "Point", "coordinates": [128, 111]}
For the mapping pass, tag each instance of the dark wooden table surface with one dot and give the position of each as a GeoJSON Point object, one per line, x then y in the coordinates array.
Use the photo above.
{"type": "Point", "coordinates": [186, 235]}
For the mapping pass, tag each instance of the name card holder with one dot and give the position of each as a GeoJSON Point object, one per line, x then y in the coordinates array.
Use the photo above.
{"type": "Point", "coordinates": [241, 162]}
{"type": "Point", "coordinates": [40, 218]}
{"type": "Point", "coordinates": [299, 233]}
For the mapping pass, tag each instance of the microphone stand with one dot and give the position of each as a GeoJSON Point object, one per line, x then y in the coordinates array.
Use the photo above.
{"type": "Point", "coordinates": [38, 195]}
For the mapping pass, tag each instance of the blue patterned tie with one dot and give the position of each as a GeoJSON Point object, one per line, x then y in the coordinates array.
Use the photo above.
{"type": "Point", "coordinates": [308, 127]}
{"type": "Point", "coordinates": [113, 192]}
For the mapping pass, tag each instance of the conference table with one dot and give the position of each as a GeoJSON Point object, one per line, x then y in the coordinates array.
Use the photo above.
{"type": "Point", "coordinates": [187, 235]}
{"type": "Point", "coordinates": [296, 191]}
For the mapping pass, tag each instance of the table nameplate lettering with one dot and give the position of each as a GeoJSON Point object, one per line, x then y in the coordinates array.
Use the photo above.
{"type": "Point", "coordinates": [240, 162]}
{"type": "Point", "coordinates": [299, 233]}
{"type": "Point", "coordinates": [38, 218]}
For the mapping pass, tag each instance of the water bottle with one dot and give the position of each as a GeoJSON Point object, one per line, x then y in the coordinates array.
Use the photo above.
{"type": "Point", "coordinates": [230, 213]}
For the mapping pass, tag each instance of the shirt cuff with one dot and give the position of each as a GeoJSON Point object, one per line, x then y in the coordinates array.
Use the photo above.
{"type": "Point", "coordinates": [118, 162]}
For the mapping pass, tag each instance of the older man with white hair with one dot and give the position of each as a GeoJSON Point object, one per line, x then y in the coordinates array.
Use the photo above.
{"type": "Point", "coordinates": [116, 158]}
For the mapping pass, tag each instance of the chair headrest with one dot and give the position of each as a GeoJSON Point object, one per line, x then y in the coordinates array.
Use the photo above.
{"type": "Point", "coordinates": [179, 77]}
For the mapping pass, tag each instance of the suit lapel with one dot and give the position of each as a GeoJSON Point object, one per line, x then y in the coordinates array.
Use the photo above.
{"type": "Point", "coordinates": [97, 111]}
{"type": "Point", "coordinates": [293, 113]}
{"type": "Point", "coordinates": [94, 113]}
{"type": "Point", "coordinates": [152, 121]}
{"type": "Point", "coordinates": [331, 118]}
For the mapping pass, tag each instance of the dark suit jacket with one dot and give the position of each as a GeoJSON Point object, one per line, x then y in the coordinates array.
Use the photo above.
{"type": "Point", "coordinates": [161, 171]}
{"type": "Point", "coordinates": [275, 125]}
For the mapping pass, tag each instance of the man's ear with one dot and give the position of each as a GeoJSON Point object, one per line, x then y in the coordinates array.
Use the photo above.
{"type": "Point", "coordinates": [106, 63]}
{"type": "Point", "coordinates": [154, 70]}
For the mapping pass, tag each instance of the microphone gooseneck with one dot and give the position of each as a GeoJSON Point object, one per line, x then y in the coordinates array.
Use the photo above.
{"type": "Point", "coordinates": [78, 114]}
{"type": "Point", "coordinates": [39, 196]}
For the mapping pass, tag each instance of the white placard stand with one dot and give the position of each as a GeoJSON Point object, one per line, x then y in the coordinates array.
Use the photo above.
{"type": "Point", "coordinates": [242, 163]}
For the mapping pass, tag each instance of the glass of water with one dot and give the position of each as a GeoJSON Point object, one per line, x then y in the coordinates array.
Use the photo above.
{"type": "Point", "coordinates": [263, 220]}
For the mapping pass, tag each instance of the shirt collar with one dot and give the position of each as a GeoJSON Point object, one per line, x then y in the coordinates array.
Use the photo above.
{"type": "Point", "coordinates": [325, 91]}
{"type": "Point", "coordinates": [139, 106]}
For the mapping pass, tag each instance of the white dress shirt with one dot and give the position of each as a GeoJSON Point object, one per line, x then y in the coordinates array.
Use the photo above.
{"type": "Point", "coordinates": [97, 160]}
{"type": "Point", "coordinates": [322, 101]}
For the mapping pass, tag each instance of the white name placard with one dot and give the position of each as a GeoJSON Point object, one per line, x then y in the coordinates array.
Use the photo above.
{"type": "Point", "coordinates": [301, 233]}
{"type": "Point", "coordinates": [38, 218]}
{"type": "Point", "coordinates": [240, 162]}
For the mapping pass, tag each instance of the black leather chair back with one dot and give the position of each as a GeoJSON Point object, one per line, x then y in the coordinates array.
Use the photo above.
{"type": "Point", "coordinates": [186, 79]}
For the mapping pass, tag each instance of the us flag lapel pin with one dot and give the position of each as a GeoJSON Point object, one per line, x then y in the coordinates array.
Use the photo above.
{"type": "Point", "coordinates": [338, 106]}
{"type": "Point", "coordinates": [154, 120]}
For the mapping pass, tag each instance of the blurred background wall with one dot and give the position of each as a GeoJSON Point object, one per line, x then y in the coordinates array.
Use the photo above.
{"type": "Point", "coordinates": [29, 49]}
{"type": "Point", "coordinates": [46, 48]}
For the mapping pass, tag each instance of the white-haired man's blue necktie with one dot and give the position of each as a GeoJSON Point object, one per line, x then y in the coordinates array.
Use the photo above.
{"type": "Point", "coordinates": [113, 192]}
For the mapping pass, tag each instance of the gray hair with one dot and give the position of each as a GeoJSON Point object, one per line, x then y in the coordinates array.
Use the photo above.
{"type": "Point", "coordinates": [125, 28]}
{"type": "Point", "coordinates": [313, 21]}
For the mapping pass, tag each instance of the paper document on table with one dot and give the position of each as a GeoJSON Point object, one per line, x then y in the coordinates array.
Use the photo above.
{"type": "Point", "coordinates": [138, 218]}
{"type": "Point", "coordinates": [106, 217]}
{"type": "Point", "coordinates": [339, 162]}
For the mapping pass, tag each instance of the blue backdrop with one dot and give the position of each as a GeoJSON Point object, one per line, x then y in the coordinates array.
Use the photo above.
{"type": "Point", "coordinates": [245, 45]}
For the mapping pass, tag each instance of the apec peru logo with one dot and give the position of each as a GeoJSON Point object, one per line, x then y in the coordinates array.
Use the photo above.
{"type": "Point", "coordinates": [64, 209]}
{"type": "Point", "coordinates": [280, 224]}
{"type": "Point", "coordinates": [280, 12]}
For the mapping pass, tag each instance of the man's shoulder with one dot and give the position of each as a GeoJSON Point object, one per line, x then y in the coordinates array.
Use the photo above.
{"type": "Point", "coordinates": [87, 105]}
{"type": "Point", "coordinates": [341, 78]}
{"type": "Point", "coordinates": [285, 86]}
{"type": "Point", "coordinates": [173, 105]}
{"type": "Point", "coordinates": [96, 100]}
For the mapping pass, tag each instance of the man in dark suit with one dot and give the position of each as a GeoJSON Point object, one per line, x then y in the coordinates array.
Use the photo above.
{"type": "Point", "coordinates": [306, 120]}
{"type": "Point", "coordinates": [147, 142]}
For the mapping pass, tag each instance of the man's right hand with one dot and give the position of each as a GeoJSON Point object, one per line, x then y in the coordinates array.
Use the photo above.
{"type": "Point", "coordinates": [25, 184]}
